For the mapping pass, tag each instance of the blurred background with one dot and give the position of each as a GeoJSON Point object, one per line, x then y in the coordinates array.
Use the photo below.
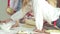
{"type": "Point", "coordinates": [3, 7]}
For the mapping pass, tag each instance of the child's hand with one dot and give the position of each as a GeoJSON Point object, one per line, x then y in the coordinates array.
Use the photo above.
{"type": "Point", "coordinates": [16, 24]}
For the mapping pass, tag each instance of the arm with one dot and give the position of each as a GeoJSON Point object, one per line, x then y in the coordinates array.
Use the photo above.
{"type": "Point", "coordinates": [21, 13]}
{"type": "Point", "coordinates": [38, 14]}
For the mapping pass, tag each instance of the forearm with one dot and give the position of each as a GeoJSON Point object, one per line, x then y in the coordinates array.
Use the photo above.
{"type": "Point", "coordinates": [21, 13]}
{"type": "Point", "coordinates": [38, 14]}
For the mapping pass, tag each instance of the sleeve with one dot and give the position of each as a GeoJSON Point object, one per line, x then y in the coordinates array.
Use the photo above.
{"type": "Point", "coordinates": [42, 7]}
{"type": "Point", "coordinates": [12, 4]}
{"type": "Point", "coordinates": [38, 14]}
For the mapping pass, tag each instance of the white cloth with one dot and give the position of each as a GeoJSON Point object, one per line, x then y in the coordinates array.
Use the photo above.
{"type": "Point", "coordinates": [14, 4]}
{"type": "Point", "coordinates": [21, 13]}
{"type": "Point", "coordinates": [43, 10]}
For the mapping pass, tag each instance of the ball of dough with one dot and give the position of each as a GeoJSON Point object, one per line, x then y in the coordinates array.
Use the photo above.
{"type": "Point", "coordinates": [10, 11]}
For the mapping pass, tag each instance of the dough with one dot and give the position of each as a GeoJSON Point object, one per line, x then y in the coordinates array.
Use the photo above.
{"type": "Point", "coordinates": [22, 32]}
{"type": "Point", "coordinates": [30, 22]}
{"type": "Point", "coordinates": [10, 11]}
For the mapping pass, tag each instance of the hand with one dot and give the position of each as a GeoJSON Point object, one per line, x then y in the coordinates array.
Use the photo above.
{"type": "Point", "coordinates": [41, 31]}
{"type": "Point", "coordinates": [16, 24]}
